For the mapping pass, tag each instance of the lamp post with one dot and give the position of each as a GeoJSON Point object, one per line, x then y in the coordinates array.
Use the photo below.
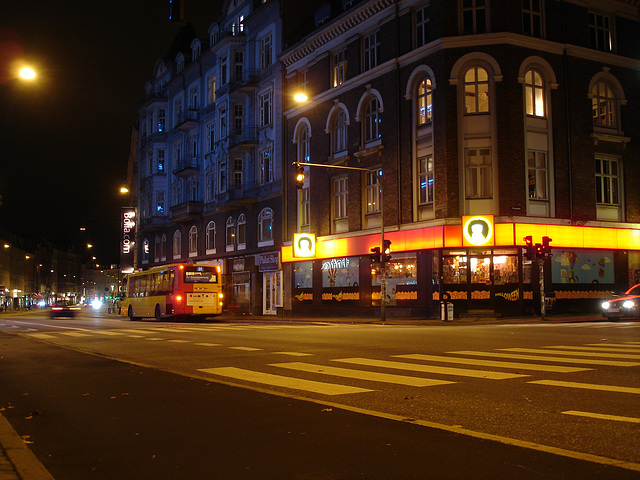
{"type": "Point", "coordinates": [378, 174]}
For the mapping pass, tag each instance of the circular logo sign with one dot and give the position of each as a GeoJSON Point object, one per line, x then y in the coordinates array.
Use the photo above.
{"type": "Point", "coordinates": [477, 230]}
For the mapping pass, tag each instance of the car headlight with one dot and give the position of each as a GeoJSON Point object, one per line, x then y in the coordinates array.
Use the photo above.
{"type": "Point", "coordinates": [628, 304]}
{"type": "Point", "coordinates": [605, 305]}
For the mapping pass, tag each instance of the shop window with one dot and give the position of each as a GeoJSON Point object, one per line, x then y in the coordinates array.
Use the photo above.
{"type": "Point", "coordinates": [303, 275]}
{"type": "Point", "coordinates": [505, 269]}
{"type": "Point", "coordinates": [401, 275]}
{"type": "Point", "coordinates": [340, 272]}
{"type": "Point", "coordinates": [454, 269]}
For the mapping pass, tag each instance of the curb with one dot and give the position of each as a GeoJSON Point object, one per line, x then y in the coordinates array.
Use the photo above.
{"type": "Point", "coordinates": [26, 465]}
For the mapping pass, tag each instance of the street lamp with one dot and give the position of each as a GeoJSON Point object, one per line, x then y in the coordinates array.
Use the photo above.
{"type": "Point", "coordinates": [383, 244]}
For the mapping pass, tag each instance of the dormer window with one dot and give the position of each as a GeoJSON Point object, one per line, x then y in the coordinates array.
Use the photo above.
{"type": "Point", "coordinates": [180, 63]}
{"type": "Point", "coordinates": [195, 50]}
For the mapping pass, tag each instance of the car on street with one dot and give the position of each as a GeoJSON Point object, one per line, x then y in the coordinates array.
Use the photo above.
{"type": "Point", "coordinates": [626, 305]}
{"type": "Point", "coordinates": [64, 308]}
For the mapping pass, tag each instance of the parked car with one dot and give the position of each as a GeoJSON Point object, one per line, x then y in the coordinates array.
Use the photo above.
{"type": "Point", "coordinates": [626, 305]}
{"type": "Point", "coordinates": [64, 308]}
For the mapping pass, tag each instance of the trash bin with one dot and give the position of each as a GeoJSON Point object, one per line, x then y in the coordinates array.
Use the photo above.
{"type": "Point", "coordinates": [446, 308]}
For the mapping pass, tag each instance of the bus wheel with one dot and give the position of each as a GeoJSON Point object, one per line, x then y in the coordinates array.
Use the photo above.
{"type": "Point", "coordinates": [131, 317]}
{"type": "Point", "coordinates": [158, 313]}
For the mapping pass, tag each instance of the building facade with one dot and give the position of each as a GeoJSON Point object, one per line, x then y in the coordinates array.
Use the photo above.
{"type": "Point", "coordinates": [471, 125]}
{"type": "Point", "coordinates": [209, 157]}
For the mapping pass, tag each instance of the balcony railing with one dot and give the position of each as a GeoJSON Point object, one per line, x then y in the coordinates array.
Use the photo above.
{"type": "Point", "coordinates": [188, 118]}
{"type": "Point", "coordinates": [247, 135]}
{"type": "Point", "coordinates": [185, 211]}
{"type": "Point", "coordinates": [246, 79]}
{"type": "Point", "coordinates": [187, 166]}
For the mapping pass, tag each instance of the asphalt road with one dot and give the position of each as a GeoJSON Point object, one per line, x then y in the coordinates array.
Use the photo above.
{"type": "Point", "coordinates": [105, 398]}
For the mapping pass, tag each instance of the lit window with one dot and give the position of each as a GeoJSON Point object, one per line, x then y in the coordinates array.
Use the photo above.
{"type": "Point", "coordinates": [230, 234]}
{"type": "Point", "coordinates": [266, 167]}
{"type": "Point", "coordinates": [537, 175]}
{"type": "Point", "coordinates": [425, 105]}
{"type": "Point", "coordinates": [242, 232]}
{"type": "Point", "coordinates": [339, 67]}
{"type": "Point", "coordinates": [476, 91]}
{"type": "Point", "coordinates": [603, 103]}
{"type": "Point", "coordinates": [425, 180]}
{"type": "Point", "coordinates": [534, 93]}
{"type": "Point", "coordinates": [372, 193]}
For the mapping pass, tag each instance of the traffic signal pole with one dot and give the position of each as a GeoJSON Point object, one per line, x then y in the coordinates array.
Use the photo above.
{"type": "Point", "coordinates": [378, 174]}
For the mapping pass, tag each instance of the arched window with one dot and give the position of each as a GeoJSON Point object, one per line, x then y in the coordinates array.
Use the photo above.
{"type": "Point", "coordinates": [157, 248]}
{"type": "Point", "coordinates": [265, 226]}
{"type": "Point", "coordinates": [534, 94]}
{"type": "Point", "coordinates": [145, 250]}
{"type": "Point", "coordinates": [339, 133]}
{"type": "Point", "coordinates": [476, 91]}
{"type": "Point", "coordinates": [603, 102]}
{"type": "Point", "coordinates": [242, 231]}
{"type": "Point", "coordinates": [177, 244]}
{"type": "Point", "coordinates": [211, 237]}
{"type": "Point", "coordinates": [425, 102]}
{"type": "Point", "coordinates": [230, 234]}
{"type": "Point", "coordinates": [304, 145]}
{"type": "Point", "coordinates": [372, 121]}
{"type": "Point", "coordinates": [163, 249]}
{"type": "Point", "coordinates": [193, 241]}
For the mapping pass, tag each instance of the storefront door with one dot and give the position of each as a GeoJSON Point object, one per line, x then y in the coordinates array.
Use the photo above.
{"type": "Point", "coordinates": [271, 292]}
{"type": "Point", "coordinates": [481, 292]}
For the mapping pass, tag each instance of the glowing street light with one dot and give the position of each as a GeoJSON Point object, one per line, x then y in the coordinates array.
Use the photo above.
{"type": "Point", "coordinates": [27, 73]}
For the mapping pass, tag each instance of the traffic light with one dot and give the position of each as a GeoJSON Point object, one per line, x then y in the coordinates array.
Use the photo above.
{"type": "Point", "coordinates": [375, 255]}
{"type": "Point", "coordinates": [386, 250]}
{"type": "Point", "coordinates": [299, 177]}
{"type": "Point", "coordinates": [546, 247]}
{"type": "Point", "coordinates": [529, 253]}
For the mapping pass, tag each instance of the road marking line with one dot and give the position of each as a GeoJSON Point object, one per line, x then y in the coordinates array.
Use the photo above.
{"type": "Point", "coordinates": [588, 386]}
{"type": "Point", "coordinates": [75, 334]}
{"type": "Point", "coordinates": [286, 382]}
{"type": "Point", "coordinates": [602, 416]}
{"type": "Point", "coordinates": [294, 354]}
{"type": "Point", "coordinates": [179, 341]}
{"type": "Point", "coordinates": [246, 349]}
{"type": "Point", "coordinates": [107, 332]}
{"type": "Point", "coordinates": [621, 345]}
{"type": "Point", "coordinates": [41, 335]}
{"type": "Point", "coordinates": [463, 372]}
{"type": "Point", "coordinates": [566, 352]}
{"type": "Point", "coordinates": [629, 349]}
{"type": "Point", "coordinates": [493, 363]}
{"type": "Point", "coordinates": [362, 375]}
{"type": "Point", "coordinates": [136, 330]}
{"type": "Point", "coordinates": [610, 363]}
{"type": "Point", "coordinates": [135, 336]}
{"type": "Point", "coordinates": [154, 339]}
{"type": "Point", "coordinates": [209, 344]}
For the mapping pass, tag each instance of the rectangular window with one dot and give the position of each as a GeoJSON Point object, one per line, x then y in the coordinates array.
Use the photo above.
{"type": "Point", "coordinates": [474, 17]}
{"type": "Point", "coordinates": [607, 181]}
{"type": "Point", "coordinates": [161, 155]}
{"type": "Point", "coordinates": [237, 172]}
{"type": "Point", "coordinates": [193, 190]}
{"type": "Point", "coordinates": [211, 187]}
{"type": "Point", "coordinates": [193, 99]}
{"type": "Point", "coordinates": [423, 20]}
{"type": "Point", "coordinates": [265, 109]}
{"type": "Point", "coordinates": [223, 177]}
{"type": "Point", "coordinates": [161, 119]}
{"type": "Point", "coordinates": [532, 18]}
{"type": "Point", "coordinates": [265, 52]}
{"type": "Point", "coordinates": [224, 70]}
{"type": "Point", "coordinates": [340, 197]}
{"type": "Point", "coordinates": [266, 167]}
{"type": "Point", "coordinates": [371, 51]}
{"type": "Point", "coordinates": [600, 32]}
{"type": "Point", "coordinates": [238, 118]}
{"type": "Point", "coordinates": [425, 180]}
{"type": "Point", "coordinates": [160, 202]}
{"type": "Point", "coordinates": [372, 193]}
{"type": "Point", "coordinates": [303, 81]}
{"type": "Point", "coordinates": [339, 67]}
{"type": "Point", "coordinates": [177, 110]}
{"type": "Point", "coordinates": [238, 65]}
{"type": "Point", "coordinates": [478, 173]}
{"type": "Point", "coordinates": [211, 89]}
{"type": "Point", "coordinates": [304, 209]}
{"type": "Point", "coordinates": [537, 175]}
{"type": "Point", "coordinates": [223, 123]}
{"type": "Point", "coordinates": [211, 136]}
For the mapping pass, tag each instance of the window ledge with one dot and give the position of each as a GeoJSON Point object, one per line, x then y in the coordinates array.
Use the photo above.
{"type": "Point", "coordinates": [609, 137]}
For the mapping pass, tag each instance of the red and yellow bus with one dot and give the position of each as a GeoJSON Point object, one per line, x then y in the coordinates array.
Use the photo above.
{"type": "Point", "coordinates": [177, 291]}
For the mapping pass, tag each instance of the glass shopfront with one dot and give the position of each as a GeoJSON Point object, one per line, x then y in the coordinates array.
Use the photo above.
{"type": "Point", "coordinates": [484, 278]}
{"type": "Point", "coordinates": [402, 280]}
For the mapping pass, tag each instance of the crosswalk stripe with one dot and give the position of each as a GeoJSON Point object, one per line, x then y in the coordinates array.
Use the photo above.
{"type": "Point", "coordinates": [41, 335]}
{"type": "Point", "coordinates": [567, 352]}
{"type": "Point", "coordinates": [294, 354]}
{"type": "Point", "coordinates": [494, 363]}
{"type": "Point", "coordinates": [179, 341]}
{"type": "Point", "coordinates": [136, 330]}
{"type": "Point", "coordinates": [616, 345]}
{"type": "Point", "coordinates": [581, 361]}
{"type": "Point", "coordinates": [75, 334]}
{"type": "Point", "coordinates": [108, 333]}
{"type": "Point", "coordinates": [602, 416]}
{"type": "Point", "coordinates": [282, 381]}
{"type": "Point", "coordinates": [204, 344]}
{"type": "Point", "coordinates": [362, 375]}
{"type": "Point", "coordinates": [463, 372]}
{"type": "Point", "coordinates": [597, 349]}
{"type": "Point", "coordinates": [588, 386]}
{"type": "Point", "coordinates": [246, 349]}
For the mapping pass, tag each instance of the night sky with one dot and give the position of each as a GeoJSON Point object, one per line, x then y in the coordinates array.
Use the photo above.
{"type": "Point", "coordinates": [65, 138]}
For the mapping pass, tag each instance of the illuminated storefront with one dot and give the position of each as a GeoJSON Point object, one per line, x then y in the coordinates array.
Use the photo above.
{"type": "Point", "coordinates": [477, 264]}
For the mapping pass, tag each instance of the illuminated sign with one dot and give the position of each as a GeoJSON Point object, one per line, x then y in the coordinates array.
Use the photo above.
{"type": "Point", "coordinates": [304, 245]}
{"type": "Point", "coordinates": [477, 230]}
{"type": "Point", "coordinates": [127, 239]}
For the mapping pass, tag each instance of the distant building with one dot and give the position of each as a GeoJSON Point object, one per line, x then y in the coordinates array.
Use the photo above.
{"type": "Point", "coordinates": [467, 126]}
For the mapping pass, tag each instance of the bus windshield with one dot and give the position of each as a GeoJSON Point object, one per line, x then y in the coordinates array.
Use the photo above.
{"type": "Point", "coordinates": [200, 275]}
